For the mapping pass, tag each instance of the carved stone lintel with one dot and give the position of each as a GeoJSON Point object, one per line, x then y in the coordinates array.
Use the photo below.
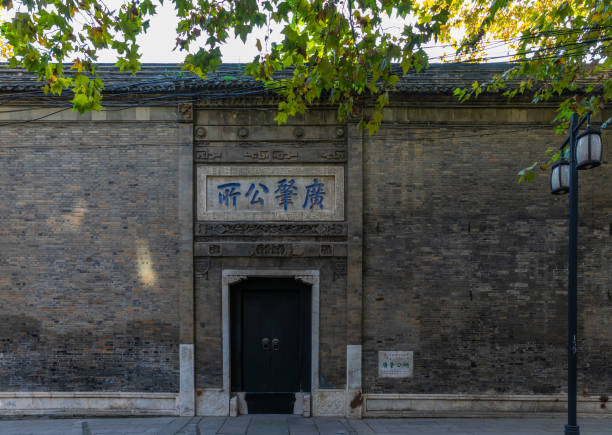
{"type": "Point", "coordinates": [277, 249]}
{"type": "Point", "coordinates": [232, 279]}
{"type": "Point", "coordinates": [228, 229]}
{"type": "Point", "coordinates": [307, 279]}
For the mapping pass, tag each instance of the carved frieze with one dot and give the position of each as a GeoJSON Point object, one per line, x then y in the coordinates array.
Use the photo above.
{"type": "Point", "coordinates": [223, 152]}
{"type": "Point", "coordinates": [258, 155]}
{"type": "Point", "coordinates": [272, 250]}
{"type": "Point", "coordinates": [208, 156]}
{"type": "Point", "coordinates": [336, 155]}
{"type": "Point", "coordinates": [282, 155]}
{"type": "Point", "coordinates": [229, 229]}
{"type": "Point", "coordinates": [248, 249]}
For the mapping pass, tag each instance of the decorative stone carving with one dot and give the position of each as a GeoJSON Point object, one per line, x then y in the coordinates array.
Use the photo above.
{"type": "Point", "coordinates": [292, 151]}
{"type": "Point", "coordinates": [340, 131]}
{"type": "Point", "coordinates": [281, 155]}
{"type": "Point", "coordinates": [272, 250]}
{"type": "Point", "coordinates": [298, 132]}
{"type": "Point", "coordinates": [327, 250]}
{"type": "Point", "coordinates": [208, 155]}
{"type": "Point", "coordinates": [271, 229]}
{"type": "Point", "coordinates": [258, 155]}
{"type": "Point", "coordinates": [200, 132]}
{"type": "Point", "coordinates": [339, 270]}
{"type": "Point", "coordinates": [205, 268]}
{"type": "Point", "coordinates": [243, 132]}
{"type": "Point", "coordinates": [214, 250]}
{"type": "Point", "coordinates": [336, 155]}
{"type": "Point", "coordinates": [185, 112]}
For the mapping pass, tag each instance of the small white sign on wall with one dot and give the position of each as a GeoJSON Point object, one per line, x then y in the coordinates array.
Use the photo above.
{"type": "Point", "coordinates": [395, 364]}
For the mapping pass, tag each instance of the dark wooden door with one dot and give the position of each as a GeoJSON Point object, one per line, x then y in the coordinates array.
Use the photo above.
{"type": "Point", "coordinates": [270, 342]}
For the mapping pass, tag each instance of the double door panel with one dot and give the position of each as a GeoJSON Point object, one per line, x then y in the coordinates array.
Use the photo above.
{"type": "Point", "coordinates": [270, 336]}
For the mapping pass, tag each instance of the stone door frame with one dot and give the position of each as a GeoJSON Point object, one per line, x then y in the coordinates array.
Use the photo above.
{"type": "Point", "coordinates": [309, 276]}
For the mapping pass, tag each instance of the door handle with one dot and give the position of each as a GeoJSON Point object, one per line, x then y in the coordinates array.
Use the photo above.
{"type": "Point", "coordinates": [265, 343]}
{"type": "Point", "coordinates": [275, 344]}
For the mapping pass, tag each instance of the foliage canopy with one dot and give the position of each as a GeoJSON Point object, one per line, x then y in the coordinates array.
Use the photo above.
{"type": "Point", "coordinates": [339, 50]}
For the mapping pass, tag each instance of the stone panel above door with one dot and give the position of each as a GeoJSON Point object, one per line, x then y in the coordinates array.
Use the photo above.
{"type": "Point", "coordinates": [270, 193]}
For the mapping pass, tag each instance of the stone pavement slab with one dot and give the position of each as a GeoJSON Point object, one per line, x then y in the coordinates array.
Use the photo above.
{"type": "Point", "coordinates": [294, 425]}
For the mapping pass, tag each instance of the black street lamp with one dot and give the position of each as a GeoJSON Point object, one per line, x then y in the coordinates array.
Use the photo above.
{"type": "Point", "coordinates": [584, 153]}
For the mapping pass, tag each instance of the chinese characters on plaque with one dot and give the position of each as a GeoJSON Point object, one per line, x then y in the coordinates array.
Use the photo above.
{"type": "Point", "coordinates": [284, 195]}
{"type": "Point", "coordinates": [395, 364]}
{"type": "Point", "coordinates": [271, 193]}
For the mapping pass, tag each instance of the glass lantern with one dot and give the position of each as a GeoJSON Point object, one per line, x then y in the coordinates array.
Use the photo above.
{"type": "Point", "coordinates": [588, 149]}
{"type": "Point", "coordinates": [560, 178]}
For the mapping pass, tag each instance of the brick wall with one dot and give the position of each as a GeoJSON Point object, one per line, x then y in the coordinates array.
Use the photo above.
{"type": "Point", "coordinates": [89, 261]}
{"type": "Point", "coordinates": [467, 268]}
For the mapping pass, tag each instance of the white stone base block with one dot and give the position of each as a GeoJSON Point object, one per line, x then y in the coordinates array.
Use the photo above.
{"type": "Point", "coordinates": [476, 405]}
{"type": "Point", "coordinates": [307, 402]}
{"type": "Point", "coordinates": [187, 389]}
{"type": "Point", "coordinates": [329, 403]}
{"type": "Point", "coordinates": [212, 402]}
{"type": "Point", "coordinates": [243, 407]}
{"type": "Point", "coordinates": [88, 403]}
{"type": "Point", "coordinates": [298, 405]}
{"type": "Point", "coordinates": [233, 407]}
{"type": "Point", "coordinates": [353, 400]}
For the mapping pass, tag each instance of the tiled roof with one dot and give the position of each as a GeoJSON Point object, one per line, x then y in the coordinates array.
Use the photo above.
{"type": "Point", "coordinates": [169, 78]}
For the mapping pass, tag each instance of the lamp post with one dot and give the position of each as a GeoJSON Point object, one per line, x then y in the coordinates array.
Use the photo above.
{"type": "Point", "coordinates": [584, 153]}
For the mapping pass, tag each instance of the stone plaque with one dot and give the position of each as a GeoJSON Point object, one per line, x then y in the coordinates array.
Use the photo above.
{"type": "Point", "coordinates": [395, 364]}
{"type": "Point", "coordinates": [270, 193]}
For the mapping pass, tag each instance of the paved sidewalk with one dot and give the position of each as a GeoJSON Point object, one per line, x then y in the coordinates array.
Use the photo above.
{"type": "Point", "coordinates": [288, 425]}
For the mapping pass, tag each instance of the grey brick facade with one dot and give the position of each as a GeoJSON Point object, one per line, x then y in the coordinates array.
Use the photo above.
{"type": "Point", "coordinates": [106, 272]}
